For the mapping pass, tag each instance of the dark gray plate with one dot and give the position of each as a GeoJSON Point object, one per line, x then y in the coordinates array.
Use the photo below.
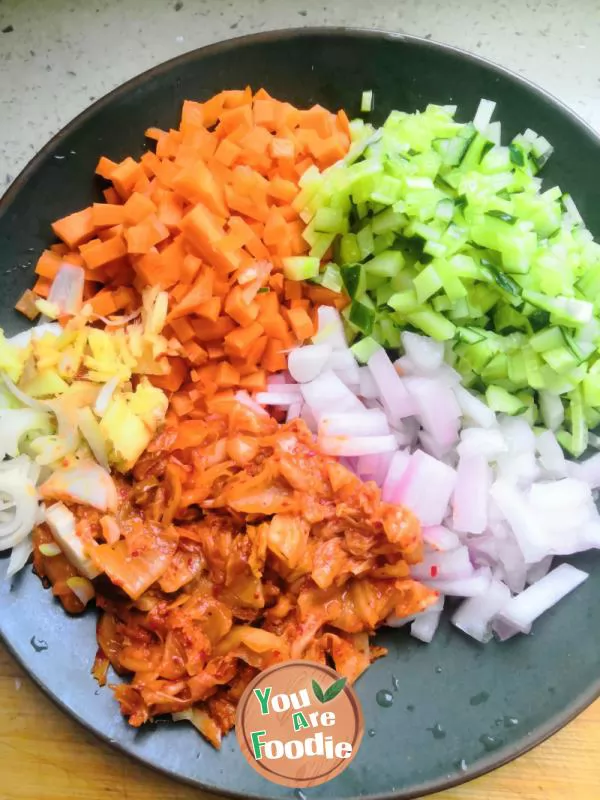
{"type": "Point", "coordinates": [455, 700]}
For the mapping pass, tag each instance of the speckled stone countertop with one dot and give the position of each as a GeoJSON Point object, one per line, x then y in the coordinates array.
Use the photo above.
{"type": "Point", "coordinates": [57, 56]}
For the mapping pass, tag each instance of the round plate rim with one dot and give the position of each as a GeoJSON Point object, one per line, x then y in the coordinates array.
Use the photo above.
{"type": "Point", "coordinates": [557, 721]}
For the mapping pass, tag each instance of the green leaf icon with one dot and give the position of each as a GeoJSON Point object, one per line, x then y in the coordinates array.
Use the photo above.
{"type": "Point", "coordinates": [318, 692]}
{"type": "Point", "coordinates": [332, 692]}
{"type": "Point", "coordinates": [334, 689]}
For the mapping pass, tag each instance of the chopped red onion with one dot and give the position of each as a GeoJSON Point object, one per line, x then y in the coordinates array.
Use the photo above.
{"type": "Point", "coordinates": [423, 351]}
{"type": "Point", "coordinates": [66, 292]}
{"type": "Point", "coordinates": [444, 565]}
{"type": "Point", "coordinates": [370, 422]}
{"type": "Point", "coordinates": [356, 445]}
{"type": "Point", "coordinates": [426, 488]}
{"type": "Point", "coordinates": [475, 615]}
{"type": "Point", "coordinates": [390, 491]}
{"type": "Point", "coordinates": [426, 623]}
{"type": "Point", "coordinates": [471, 586]}
{"type": "Point", "coordinates": [307, 362]}
{"type": "Point", "coordinates": [396, 398]}
{"type": "Point", "coordinates": [440, 538]}
{"type": "Point", "coordinates": [471, 493]}
{"type": "Point", "coordinates": [519, 613]}
{"type": "Point", "coordinates": [437, 409]}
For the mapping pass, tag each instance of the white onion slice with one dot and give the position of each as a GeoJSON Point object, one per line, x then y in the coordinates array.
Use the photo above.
{"type": "Point", "coordinates": [61, 522]}
{"type": "Point", "coordinates": [444, 565]}
{"type": "Point", "coordinates": [423, 351]}
{"type": "Point", "coordinates": [330, 328]}
{"type": "Point", "coordinates": [392, 485]}
{"type": "Point", "coordinates": [277, 398]}
{"type": "Point", "coordinates": [475, 615]}
{"type": "Point", "coordinates": [472, 586]}
{"type": "Point", "coordinates": [371, 422]}
{"type": "Point", "coordinates": [426, 623]}
{"type": "Point", "coordinates": [66, 292]}
{"type": "Point", "coordinates": [86, 483]}
{"type": "Point", "coordinates": [349, 446]}
{"type": "Point", "coordinates": [427, 486]}
{"type": "Point", "coordinates": [398, 402]}
{"type": "Point", "coordinates": [306, 363]}
{"type": "Point", "coordinates": [105, 396]}
{"type": "Point", "coordinates": [440, 538]}
{"type": "Point", "coordinates": [471, 493]}
{"type": "Point", "coordinates": [474, 409]}
{"type": "Point", "coordinates": [19, 556]}
{"type": "Point", "coordinates": [23, 398]}
{"type": "Point", "coordinates": [519, 613]}
{"type": "Point", "coordinates": [328, 392]}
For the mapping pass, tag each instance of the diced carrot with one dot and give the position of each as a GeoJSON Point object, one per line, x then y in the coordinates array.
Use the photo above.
{"type": "Point", "coordinates": [142, 237]}
{"type": "Point", "coordinates": [275, 326]}
{"type": "Point", "coordinates": [111, 195]}
{"type": "Point", "coordinates": [226, 376]}
{"type": "Point", "coordinates": [232, 98]}
{"type": "Point", "coordinates": [150, 163]}
{"type": "Point", "coordinates": [168, 146]}
{"type": "Point", "coordinates": [281, 189]}
{"type": "Point", "coordinates": [301, 323]}
{"type": "Point", "coordinates": [200, 292]}
{"type": "Point", "coordinates": [192, 115]}
{"type": "Point", "coordinates": [26, 304]}
{"type": "Point", "coordinates": [210, 331]}
{"type": "Point", "coordinates": [293, 290]}
{"type": "Point", "coordinates": [171, 259]}
{"type": "Point", "coordinates": [172, 381]}
{"type": "Point", "coordinates": [255, 381]}
{"type": "Point", "coordinates": [48, 264]}
{"type": "Point", "coordinates": [197, 184]}
{"type": "Point", "coordinates": [75, 228]}
{"type": "Point", "coordinates": [103, 303]}
{"type": "Point", "coordinates": [125, 175]}
{"type": "Point", "coordinates": [182, 329]}
{"type": "Point", "coordinates": [273, 359]}
{"type": "Point", "coordinates": [107, 214]}
{"type": "Point", "coordinates": [148, 267]}
{"type": "Point", "coordinates": [275, 227]}
{"type": "Point", "coordinates": [137, 208]}
{"type": "Point", "coordinates": [97, 254]}
{"type": "Point", "coordinates": [42, 287]}
{"type": "Point", "coordinates": [234, 117]}
{"type": "Point", "coordinates": [154, 133]}
{"type": "Point", "coordinates": [215, 351]}
{"type": "Point", "coordinates": [210, 309]}
{"type": "Point", "coordinates": [181, 404]}
{"type": "Point", "coordinates": [257, 140]}
{"type": "Point", "coordinates": [343, 122]}
{"type": "Point", "coordinates": [227, 152]}
{"type": "Point", "coordinates": [282, 148]}
{"type": "Point", "coordinates": [238, 309]}
{"type": "Point", "coordinates": [276, 282]}
{"type": "Point", "coordinates": [256, 350]}
{"type": "Point", "coordinates": [195, 353]}
{"type": "Point", "coordinates": [142, 185]}
{"type": "Point", "coordinates": [105, 167]}
{"type": "Point", "coordinates": [239, 341]}
{"type": "Point", "coordinates": [189, 268]}
{"type": "Point", "coordinates": [167, 172]}
{"type": "Point", "coordinates": [170, 210]}
{"type": "Point", "coordinates": [201, 229]}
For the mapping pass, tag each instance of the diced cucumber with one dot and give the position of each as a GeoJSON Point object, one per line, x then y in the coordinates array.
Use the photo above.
{"type": "Point", "coordinates": [300, 268]}
{"type": "Point", "coordinates": [501, 401]}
